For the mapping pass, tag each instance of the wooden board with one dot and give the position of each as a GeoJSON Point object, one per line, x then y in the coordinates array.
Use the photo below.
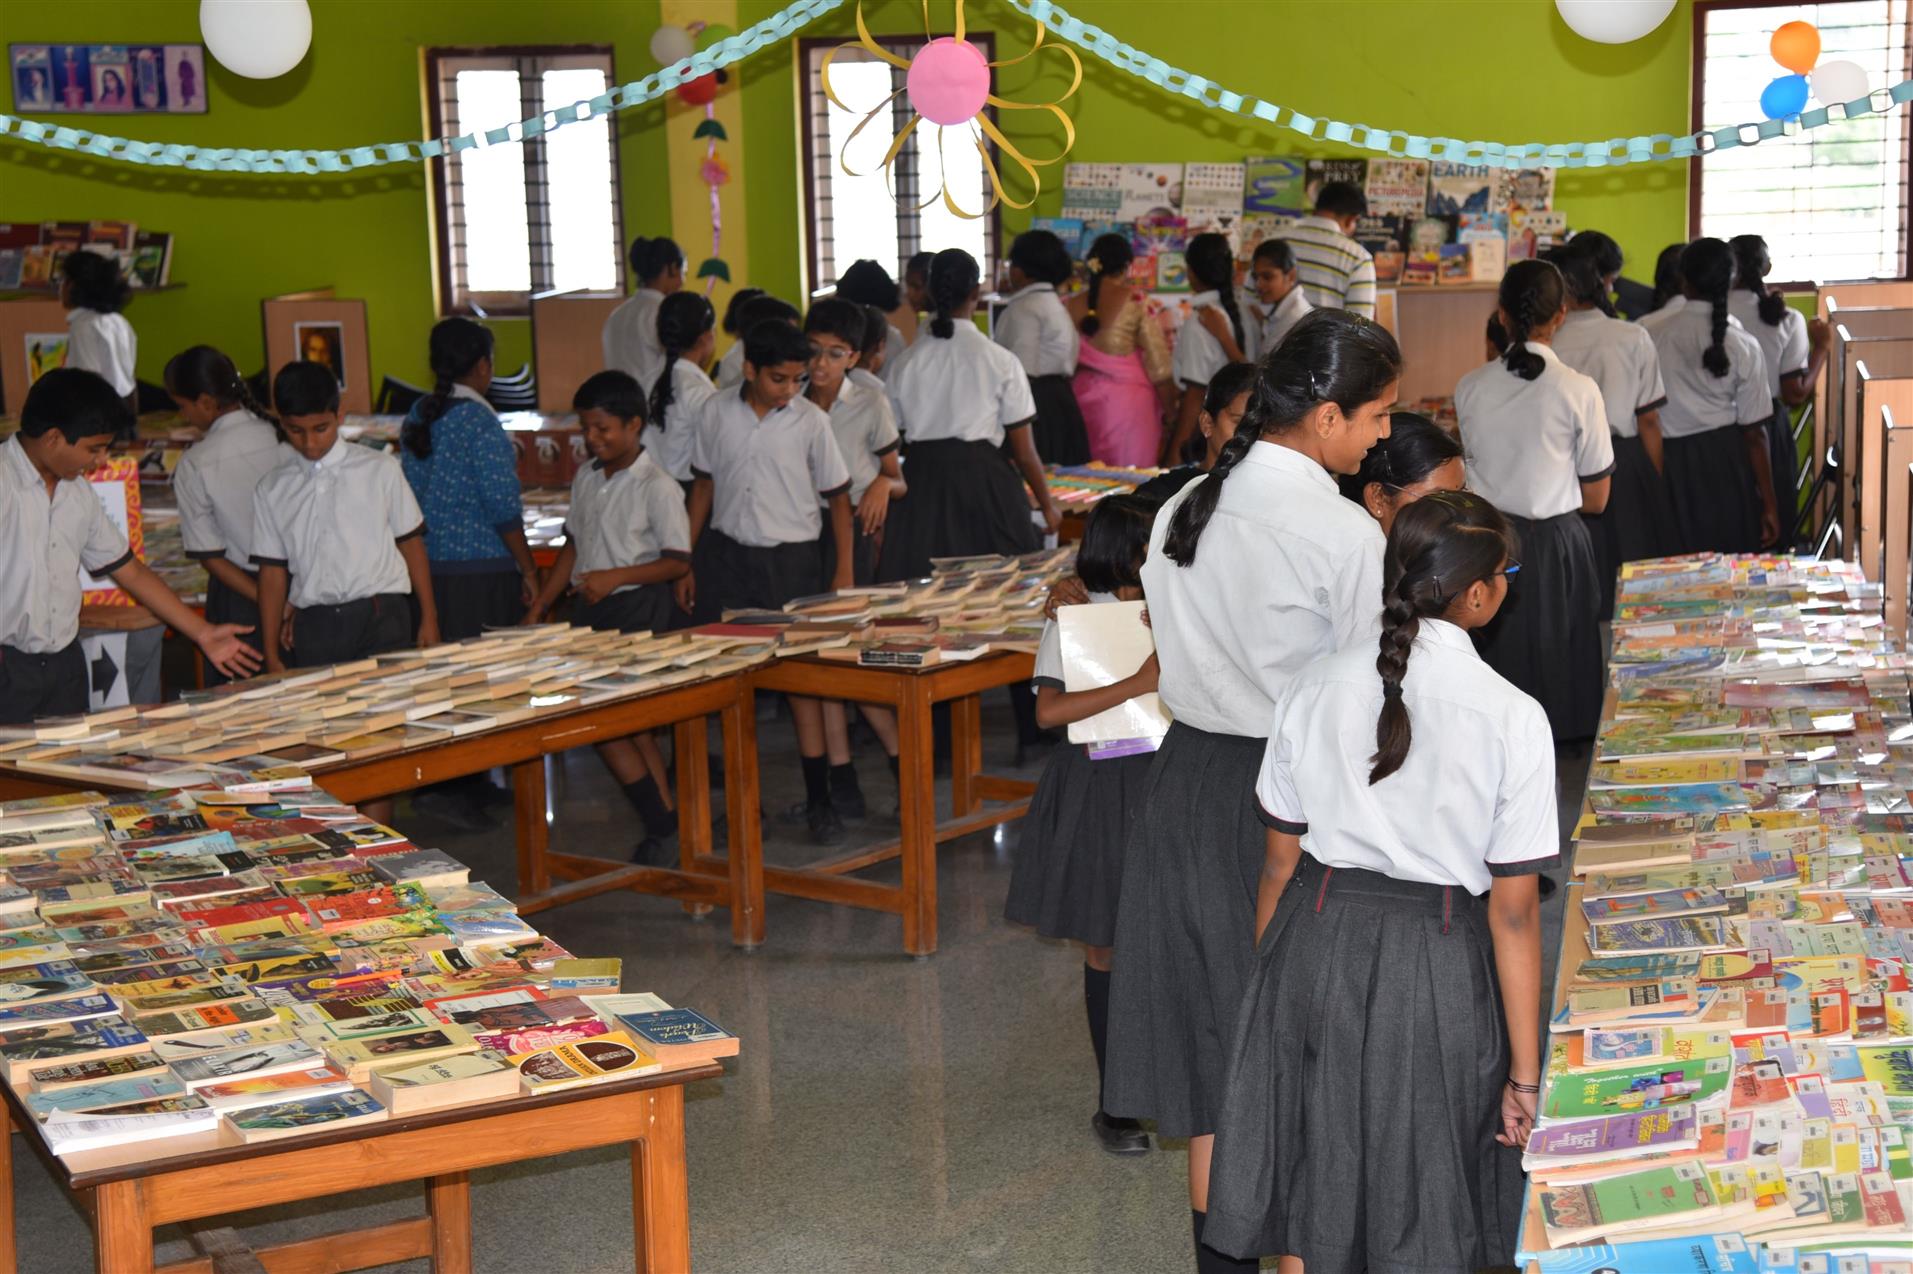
{"type": "Point", "coordinates": [567, 343]}
{"type": "Point", "coordinates": [1833, 297]}
{"type": "Point", "coordinates": [1443, 333]}
{"type": "Point", "coordinates": [1883, 358]}
{"type": "Point", "coordinates": [19, 320]}
{"type": "Point", "coordinates": [1891, 401]}
{"type": "Point", "coordinates": [317, 325]}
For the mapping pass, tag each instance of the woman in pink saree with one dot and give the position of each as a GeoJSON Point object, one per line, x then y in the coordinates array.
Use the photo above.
{"type": "Point", "coordinates": [1122, 381]}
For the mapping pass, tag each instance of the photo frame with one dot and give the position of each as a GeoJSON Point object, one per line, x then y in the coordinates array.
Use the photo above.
{"type": "Point", "coordinates": [36, 318]}
{"type": "Point", "coordinates": [322, 343]}
{"type": "Point", "coordinates": [107, 79]}
{"type": "Point", "coordinates": [291, 319]}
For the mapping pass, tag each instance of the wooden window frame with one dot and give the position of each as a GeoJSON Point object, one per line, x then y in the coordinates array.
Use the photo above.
{"type": "Point", "coordinates": [1696, 89]}
{"type": "Point", "coordinates": [449, 299]}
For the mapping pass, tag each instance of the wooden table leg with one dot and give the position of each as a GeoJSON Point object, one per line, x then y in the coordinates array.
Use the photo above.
{"type": "Point", "coordinates": [449, 1200]}
{"type": "Point", "coordinates": [534, 837]}
{"type": "Point", "coordinates": [966, 752]}
{"type": "Point", "coordinates": [122, 1236]}
{"type": "Point", "coordinates": [917, 785]}
{"type": "Point", "coordinates": [9, 1258]}
{"type": "Point", "coordinates": [744, 839]}
{"type": "Point", "coordinates": [661, 1186]}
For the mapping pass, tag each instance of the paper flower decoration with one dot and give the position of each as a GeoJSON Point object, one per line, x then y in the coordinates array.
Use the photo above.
{"type": "Point", "coordinates": [948, 85]}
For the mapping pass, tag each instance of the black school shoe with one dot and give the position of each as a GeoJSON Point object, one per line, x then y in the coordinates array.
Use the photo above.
{"type": "Point", "coordinates": [821, 821]}
{"type": "Point", "coordinates": [1119, 1136]}
{"type": "Point", "coordinates": [655, 851]}
{"type": "Point", "coordinates": [849, 802]}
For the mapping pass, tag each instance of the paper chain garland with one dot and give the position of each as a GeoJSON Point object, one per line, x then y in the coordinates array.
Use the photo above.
{"type": "Point", "coordinates": [1090, 38]}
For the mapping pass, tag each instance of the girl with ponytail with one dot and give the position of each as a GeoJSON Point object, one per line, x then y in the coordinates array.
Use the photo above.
{"type": "Point", "coordinates": [1536, 436]}
{"type": "Point", "coordinates": [1034, 325]}
{"type": "Point", "coordinates": [1124, 383]}
{"type": "Point", "coordinates": [1253, 571]}
{"type": "Point", "coordinates": [1424, 783]}
{"type": "Point", "coordinates": [215, 482]}
{"type": "Point", "coordinates": [1212, 335]}
{"type": "Point", "coordinates": [1793, 349]}
{"type": "Point", "coordinates": [464, 472]}
{"type": "Point", "coordinates": [631, 332]}
{"type": "Point", "coordinates": [1719, 463]}
{"type": "Point", "coordinates": [1620, 358]}
{"type": "Point", "coordinates": [686, 333]}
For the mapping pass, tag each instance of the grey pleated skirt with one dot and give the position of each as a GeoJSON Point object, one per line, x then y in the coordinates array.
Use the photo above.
{"type": "Point", "coordinates": [1364, 1086]}
{"type": "Point", "coordinates": [1069, 861]}
{"type": "Point", "coordinates": [1547, 637]}
{"type": "Point", "coordinates": [1185, 931]}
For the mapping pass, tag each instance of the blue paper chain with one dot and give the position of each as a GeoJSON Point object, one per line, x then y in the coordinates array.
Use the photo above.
{"type": "Point", "coordinates": [777, 27]}
{"type": "Point", "coordinates": [1597, 154]}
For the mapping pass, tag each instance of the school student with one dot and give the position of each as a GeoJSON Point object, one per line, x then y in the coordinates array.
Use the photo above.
{"type": "Point", "coordinates": [627, 538]}
{"type": "Point", "coordinates": [631, 332]}
{"type": "Point", "coordinates": [1621, 297]}
{"type": "Point", "coordinates": [1417, 458]}
{"type": "Point", "coordinates": [733, 311]}
{"type": "Point", "coordinates": [1714, 426]}
{"type": "Point", "coordinates": [1536, 434]}
{"type": "Point", "coordinates": [1667, 296]}
{"type": "Point", "coordinates": [1793, 349]}
{"type": "Point", "coordinates": [1336, 272]}
{"type": "Point", "coordinates": [916, 294]}
{"type": "Point", "coordinates": [53, 527]}
{"type": "Point", "coordinates": [873, 352]}
{"type": "Point", "coordinates": [868, 283]}
{"type": "Point", "coordinates": [337, 533]}
{"type": "Point", "coordinates": [1212, 336]}
{"type": "Point", "coordinates": [1035, 327]}
{"type": "Point", "coordinates": [1619, 357]}
{"type": "Point", "coordinates": [215, 481]}
{"type": "Point", "coordinates": [762, 308]}
{"type": "Point", "coordinates": [99, 339]}
{"type": "Point", "coordinates": [1125, 384]}
{"type": "Point", "coordinates": [1383, 1072]}
{"type": "Point", "coordinates": [678, 395]}
{"type": "Point", "coordinates": [1252, 572]}
{"type": "Point", "coordinates": [1280, 301]}
{"type": "Point", "coordinates": [762, 458]}
{"type": "Point", "coordinates": [1069, 863]}
{"type": "Point", "coordinates": [866, 434]}
{"type": "Point", "coordinates": [958, 397]}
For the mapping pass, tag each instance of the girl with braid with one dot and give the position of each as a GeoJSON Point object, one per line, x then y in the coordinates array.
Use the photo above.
{"type": "Point", "coordinates": [685, 332]}
{"type": "Point", "coordinates": [1719, 472]}
{"type": "Point", "coordinates": [1794, 350]}
{"type": "Point", "coordinates": [1212, 337]}
{"type": "Point", "coordinates": [1035, 327]}
{"type": "Point", "coordinates": [1408, 795]}
{"type": "Point", "coordinates": [1253, 571]}
{"type": "Point", "coordinates": [1124, 380]}
{"type": "Point", "coordinates": [1536, 436]}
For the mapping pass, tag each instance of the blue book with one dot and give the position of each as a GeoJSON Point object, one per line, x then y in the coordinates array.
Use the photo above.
{"type": "Point", "coordinates": [676, 1035]}
{"type": "Point", "coordinates": [74, 1010]}
{"type": "Point", "coordinates": [1710, 1254]}
{"type": "Point", "coordinates": [117, 1092]}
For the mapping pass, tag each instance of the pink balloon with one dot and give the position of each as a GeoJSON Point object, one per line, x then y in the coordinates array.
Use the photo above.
{"type": "Point", "coordinates": [948, 81]}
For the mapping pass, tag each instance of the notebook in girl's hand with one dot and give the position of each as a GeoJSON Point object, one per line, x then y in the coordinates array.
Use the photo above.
{"type": "Point", "coordinates": [1101, 644]}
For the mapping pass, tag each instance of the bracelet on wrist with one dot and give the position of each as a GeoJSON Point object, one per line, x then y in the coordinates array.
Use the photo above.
{"type": "Point", "coordinates": [1520, 1087]}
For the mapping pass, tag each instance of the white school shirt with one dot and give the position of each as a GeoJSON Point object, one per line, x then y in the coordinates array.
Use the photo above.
{"type": "Point", "coordinates": [1654, 318]}
{"type": "Point", "coordinates": [893, 346]}
{"type": "Point", "coordinates": [1619, 357]}
{"type": "Point", "coordinates": [966, 387]}
{"type": "Point", "coordinates": [1199, 356]}
{"type": "Point", "coordinates": [215, 481]}
{"type": "Point", "coordinates": [627, 518]}
{"type": "Point", "coordinates": [669, 441]}
{"type": "Point", "coordinates": [103, 343]}
{"type": "Point", "coordinates": [1049, 651]}
{"type": "Point", "coordinates": [1287, 570]}
{"type": "Point", "coordinates": [335, 524]}
{"type": "Point", "coordinates": [48, 540]}
{"type": "Point", "coordinates": [865, 428]}
{"type": "Point", "coordinates": [631, 338]}
{"type": "Point", "coordinates": [1698, 400]}
{"type": "Point", "coordinates": [730, 368]}
{"type": "Point", "coordinates": [870, 379]}
{"type": "Point", "coordinates": [1338, 273]}
{"type": "Point", "coordinates": [1783, 346]}
{"type": "Point", "coordinates": [1285, 314]}
{"type": "Point", "coordinates": [766, 474]}
{"type": "Point", "coordinates": [1473, 799]}
{"type": "Point", "coordinates": [1035, 327]}
{"type": "Point", "coordinates": [1530, 444]}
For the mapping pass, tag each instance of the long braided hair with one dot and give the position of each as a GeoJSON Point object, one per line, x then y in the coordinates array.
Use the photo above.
{"type": "Point", "coordinates": [1441, 544]}
{"type": "Point", "coordinates": [953, 276]}
{"type": "Point", "coordinates": [1707, 270]}
{"type": "Point", "coordinates": [1108, 258]}
{"type": "Point", "coordinates": [1212, 264]}
{"type": "Point", "coordinates": [1330, 356]}
{"type": "Point", "coordinates": [1532, 293]}
{"type": "Point", "coordinates": [683, 318]}
{"type": "Point", "coordinates": [1752, 261]}
{"type": "Point", "coordinates": [458, 345]}
{"type": "Point", "coordinates": [201, 369]}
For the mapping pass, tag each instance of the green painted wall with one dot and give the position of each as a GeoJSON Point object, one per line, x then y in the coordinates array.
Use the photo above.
{"type": "Point", "coordinates": [241, 238]}
{"type": "Point", "coordinates": [1506, 70]}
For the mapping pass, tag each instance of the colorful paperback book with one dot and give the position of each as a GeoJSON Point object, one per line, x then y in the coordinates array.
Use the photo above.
{"type": "Point", "coordinates": [119, 1092]}
{"type": "Point", "coordinates": [604, 1057]}
{"type": "Point", "coordinates": [1687, 933]}
{"type": "Point", "coordinates": [306, 1114]}
{"type": "Point", "coordinates": [1709, 1254]}
{"type": "Point", "coordinates": [1662, 1196]}
{"type": "Point", "coordinates": [1615, 1136]}
{"type": "Point", "coordinates": [1623, 1091]}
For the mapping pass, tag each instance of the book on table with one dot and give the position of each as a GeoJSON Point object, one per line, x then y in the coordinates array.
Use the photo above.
{"type": "Point", "coordinates": [593, 1061]}
{"type": "Point", "coordinates": [298, 1115]}
{"type": "Point", "coordinates": [486, 1075]}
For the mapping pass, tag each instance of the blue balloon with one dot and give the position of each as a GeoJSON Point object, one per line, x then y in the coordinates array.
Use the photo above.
{"type": "Point", "coordinates": [1785, 96]}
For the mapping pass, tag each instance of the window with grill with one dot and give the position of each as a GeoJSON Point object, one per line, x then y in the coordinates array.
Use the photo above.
{"type": "Point", "coordinates": [518, 218]}
{"type": "Point", "coordinates": [849, 218]}
{"type": "Point", "coordinates": [1830, 201]}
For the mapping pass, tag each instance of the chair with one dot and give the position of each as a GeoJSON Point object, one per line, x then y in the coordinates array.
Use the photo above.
{"type": "Point", "coordinates": [395, 397]}
{"type": "Point", "coordinates": [517, 392]}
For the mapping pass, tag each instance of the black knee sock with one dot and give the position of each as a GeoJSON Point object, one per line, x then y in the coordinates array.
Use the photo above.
{"type": "Point", "coordinates": [816, 779]}
{"type": "Point", "coordinates": [1096, 1000]}
{"type": "Point", "coordinates": [843, 778]}
{"type": "Point", "coordinates": [1210, 1261]}
{"type": "Point", "coordinates": [644, 796]}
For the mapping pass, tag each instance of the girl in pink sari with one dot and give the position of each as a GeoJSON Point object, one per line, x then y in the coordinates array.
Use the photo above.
{"type": "Point", "coordinates": [1122, 378]}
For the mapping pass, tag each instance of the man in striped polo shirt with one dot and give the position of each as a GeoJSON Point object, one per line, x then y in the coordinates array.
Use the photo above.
{"type": "Point", "coordinates": [1336, 272]}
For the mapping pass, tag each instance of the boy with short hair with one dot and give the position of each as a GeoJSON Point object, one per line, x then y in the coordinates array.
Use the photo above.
{"type": "Point", "coordinates": [762, 457]}
{"type": "Point", "coordinates": [52, 525]}
{"type": "Point", "coordinates": [626, 540]}
{"type": "Point", "coordinates": [337, 532]}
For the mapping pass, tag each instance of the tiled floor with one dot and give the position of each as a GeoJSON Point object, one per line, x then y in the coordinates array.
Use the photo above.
{"type": "Point", "coordinates": [887, 1113]}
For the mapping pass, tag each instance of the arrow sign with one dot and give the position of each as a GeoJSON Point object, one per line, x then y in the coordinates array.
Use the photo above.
{"type": "Point", "coordinates": [104, 672]}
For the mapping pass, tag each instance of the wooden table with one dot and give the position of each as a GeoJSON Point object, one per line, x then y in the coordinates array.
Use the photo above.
{"type": "Point", "coordinates": [209, 1174]}
{"type": "Point", "coordinates": [912, 693]}
{"type": "Point", "coordinates": [734, 880]}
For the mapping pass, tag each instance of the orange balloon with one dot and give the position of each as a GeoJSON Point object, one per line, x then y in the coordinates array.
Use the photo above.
{"type": "Point", "coordinates": [1796, 46]}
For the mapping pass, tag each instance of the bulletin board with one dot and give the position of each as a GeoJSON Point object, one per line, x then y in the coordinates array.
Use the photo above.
{"type": "Point", "coordinates": [567, 343]}
{"type": "Point", "coordinates": [37, 321]}
{"type": "Point", "coordinates": [321, 328]}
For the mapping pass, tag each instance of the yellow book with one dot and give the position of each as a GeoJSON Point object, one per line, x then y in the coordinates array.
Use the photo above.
{"type": "Point", "coordinates": [1700, 769]}
{"type": "Point", "coordinates": [590, 1061]}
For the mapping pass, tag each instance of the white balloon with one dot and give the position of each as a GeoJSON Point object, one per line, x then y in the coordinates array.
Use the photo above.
{"type": "Point", "coordinates": [259, 39]}
{"type": "Point", "coordinates": [671, 44]}
{"type": "Point", "coordinates": [1838, 82]}
{"type": "Point", "coordinates": [1613, 21]}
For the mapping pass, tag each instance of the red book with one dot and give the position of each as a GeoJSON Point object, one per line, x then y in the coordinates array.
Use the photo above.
{"type": "Point", "coordinates": [240, 913]}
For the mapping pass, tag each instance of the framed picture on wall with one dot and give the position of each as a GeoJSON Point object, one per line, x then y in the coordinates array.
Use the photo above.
{"type": "Point", "coordinates": [318, 327]}
{"type": "Point", "coordinates": [324, 344]}
{"type": "Point", "coordinates": [108, 79]}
